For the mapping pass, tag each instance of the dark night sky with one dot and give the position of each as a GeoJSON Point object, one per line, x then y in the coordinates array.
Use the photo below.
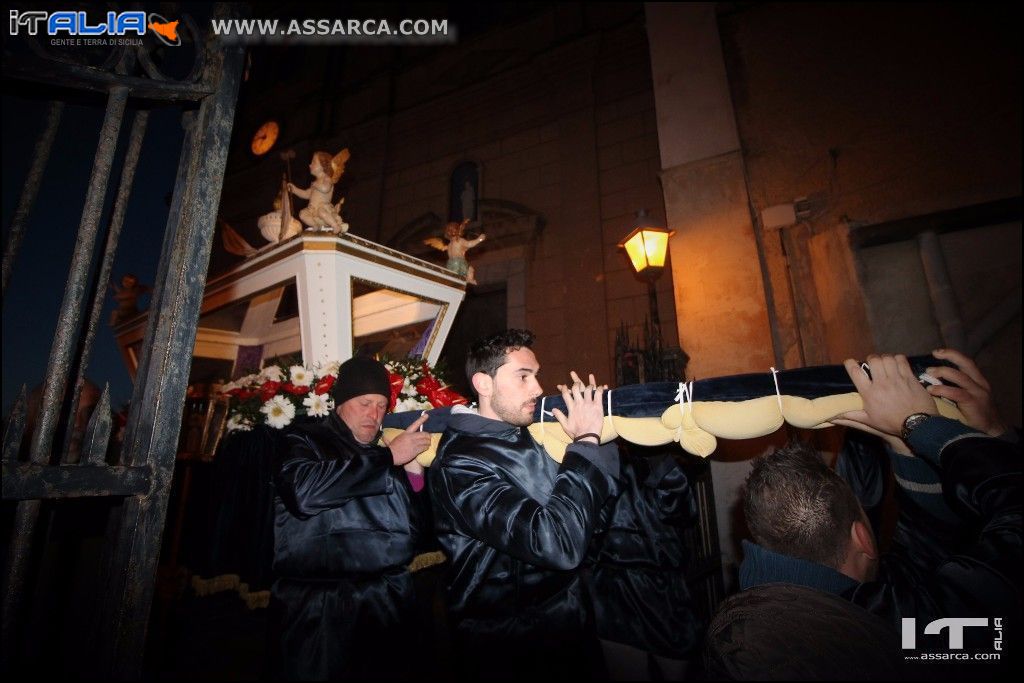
{"type": "Point", "coordinates": [40, 272]}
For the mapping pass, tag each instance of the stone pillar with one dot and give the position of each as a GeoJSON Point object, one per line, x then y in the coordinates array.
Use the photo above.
{"type": "Point", "coordinates": [721, 309]}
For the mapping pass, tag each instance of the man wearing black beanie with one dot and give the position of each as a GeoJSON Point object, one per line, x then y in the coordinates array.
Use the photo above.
{"type": "Point", "coordinates": [345, 532]}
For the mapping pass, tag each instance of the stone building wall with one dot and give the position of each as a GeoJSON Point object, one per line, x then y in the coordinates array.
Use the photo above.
{"type": "Point", "coordinates": [557, 110]}
{"type": "Point", "coordinates": [886, 121]}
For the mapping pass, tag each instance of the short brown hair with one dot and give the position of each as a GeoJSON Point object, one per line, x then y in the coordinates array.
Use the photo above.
{"type": "Point", "coordinates": [797, 506]}
{"type": "Point", "coordinates": [490, 353]}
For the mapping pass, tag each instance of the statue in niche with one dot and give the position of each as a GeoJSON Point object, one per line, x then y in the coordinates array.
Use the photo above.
{"type": "Point", "coordinates": [464, 193]}
{"type": "Point", "coordinates": [280, 225]}
{"type": "Point", "coordinates": [323, 213]}
{"type": "Point", "coordinates": [127, 297]}
{"type": "Point", "coordinates": [457, 247]}
{"type": "Point", "coordinates": [468, 197]}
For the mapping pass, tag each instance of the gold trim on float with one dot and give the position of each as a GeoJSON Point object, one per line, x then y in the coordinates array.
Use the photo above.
{"type": "Point", "coordinates": [441, 313]}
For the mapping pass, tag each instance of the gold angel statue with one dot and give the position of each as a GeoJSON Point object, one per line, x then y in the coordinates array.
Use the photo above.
{"type": "Point", "coordinates": [456, 247]}
{"type": "Point", "coordinates": [322, 212]}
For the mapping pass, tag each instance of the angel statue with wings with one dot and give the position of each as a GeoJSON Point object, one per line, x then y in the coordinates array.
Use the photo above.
{"type": "Point", "coordinates": [322, 212]}
{"type": "Point", "coordinates": [457, 247]}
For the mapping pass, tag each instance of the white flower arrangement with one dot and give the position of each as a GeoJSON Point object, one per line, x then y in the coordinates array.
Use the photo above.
{"type": "Point", "coordinates": [265, 397]}
{"type": "Point", "coordinates": [279, 411]}
{"type": "Point", "coordinates": [318, 406]}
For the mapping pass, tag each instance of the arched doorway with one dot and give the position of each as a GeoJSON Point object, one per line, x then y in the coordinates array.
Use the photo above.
{"type": "Point", "coordinates": [499, 300]}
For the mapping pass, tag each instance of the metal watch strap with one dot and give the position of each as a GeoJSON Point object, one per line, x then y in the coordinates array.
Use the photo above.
{"type": "Point", "coordinates": [912, 422]}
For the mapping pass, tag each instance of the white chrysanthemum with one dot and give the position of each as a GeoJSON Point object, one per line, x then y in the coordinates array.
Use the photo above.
{"type": "Point", "coordinates": [238, 423]}
{"type": "Point", "coordinates": [318, 405]}
{"type": "Point", "coordinates": [301, 377]}
{"type": "Point", "coordinates": [327, 369]}
{"type": "Point", "coordinates": [279, 411]}
{"type": "Point", "coordinates": [272, 373]}
{"type": "Point", "coordinates": [408, 388]}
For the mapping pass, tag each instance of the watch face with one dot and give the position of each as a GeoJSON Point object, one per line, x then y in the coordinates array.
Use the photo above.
{"type": "Point", "coordinates": [913, 422]}
{"type": "Point", "coordinates": [265, 138]}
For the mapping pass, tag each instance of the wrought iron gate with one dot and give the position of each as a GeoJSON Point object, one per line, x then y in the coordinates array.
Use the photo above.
{"type": "Point", "coordinates": [141, 477]}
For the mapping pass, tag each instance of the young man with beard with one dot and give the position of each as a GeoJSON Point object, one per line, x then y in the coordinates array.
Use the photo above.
{"type": "Point", "coordinates": [515, 523]}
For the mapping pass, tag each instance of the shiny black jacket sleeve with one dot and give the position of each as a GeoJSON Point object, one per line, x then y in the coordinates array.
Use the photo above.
{"type": "Point", "coordinates": [493, 509]}
{"type": "Point", "coordinates": [670, 491]}
{"type": "Point", "coordinates": [981, 479]}
{"type": "Point", "coordinates": [319, 475]}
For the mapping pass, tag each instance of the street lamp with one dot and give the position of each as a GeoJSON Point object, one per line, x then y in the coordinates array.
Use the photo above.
{"type": "Point", "coordinates": [646, 247]}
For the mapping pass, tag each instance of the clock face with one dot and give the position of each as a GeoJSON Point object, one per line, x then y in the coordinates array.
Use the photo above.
{"type": "Point", "coordinates": [265, 138]}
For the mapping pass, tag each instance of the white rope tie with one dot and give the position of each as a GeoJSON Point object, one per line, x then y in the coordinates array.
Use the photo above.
{"type": "Point", "coordinates": [778, 394]}
{"type": "Point", "coordinates": [864, 367]}
{"type": "Point", "coordinates": [608, 394]}
{"type": "Point", "coordinates": [685, 395]}
{"type": "Point", "coordinates": [542, 399]}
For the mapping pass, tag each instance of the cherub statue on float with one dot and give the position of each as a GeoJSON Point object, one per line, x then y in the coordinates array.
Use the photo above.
{"type": "Point", "coordinates": [322, 212]}
{"type": "Point", "coordinates": [127, 297]}
{"type": "Point", "coordinates": [457, 247]}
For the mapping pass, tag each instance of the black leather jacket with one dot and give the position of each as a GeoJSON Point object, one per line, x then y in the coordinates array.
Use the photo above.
{"type": "Point", "coordinates": [981, 479]}
{"type": "Point", "coordinates": [516, 526]}
{"type": "Point", "coordinates": [342, 507]}
{"type": "Point", "coordinates": [638, 560]}
{"type": "Point", "coordinates": [345, 530]}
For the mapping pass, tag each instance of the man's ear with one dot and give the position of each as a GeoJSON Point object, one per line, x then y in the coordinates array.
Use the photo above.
{"type": "Point", "coordinates": [483, 384]}
{"type": "Point", "coordinates": [863, 539]}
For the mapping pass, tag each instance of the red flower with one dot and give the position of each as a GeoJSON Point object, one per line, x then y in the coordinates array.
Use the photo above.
{"type": "Point", "coordinates": [299, 390]}
{"type": "Point", "coordinates": [396, 383]}
{"type": "Point", "coordinates": [324, 385]}
{"type": "Point", "coordinates": [438, 395]}
{"type": "Point", "coordinates": [446, 397]}
{"type": "Point", "coordinates": [268, 390]}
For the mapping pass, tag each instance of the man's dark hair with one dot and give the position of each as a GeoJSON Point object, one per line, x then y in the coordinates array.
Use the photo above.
{"type": "Point", "coordinates": [797, 506]}
{"type": "Point", "coordinates": [488, 354]}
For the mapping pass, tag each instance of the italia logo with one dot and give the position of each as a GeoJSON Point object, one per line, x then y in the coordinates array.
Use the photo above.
{"type": "Point", "coordinates": [77, 24]}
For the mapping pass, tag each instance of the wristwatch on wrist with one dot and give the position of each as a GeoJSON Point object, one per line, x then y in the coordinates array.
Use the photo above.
{"type": "Point", "coordinates": [912, 422]}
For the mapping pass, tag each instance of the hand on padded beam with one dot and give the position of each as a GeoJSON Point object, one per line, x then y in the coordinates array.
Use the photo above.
{"type": "Point", "coordinates": [586, 413]}
{"type": "Point", "coordinates": [972, 393]}
{"type": "Point", "coordinates": [890, 394]}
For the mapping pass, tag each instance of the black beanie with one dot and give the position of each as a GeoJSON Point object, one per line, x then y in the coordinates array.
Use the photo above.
{"type": "Point", "coordinates": [358, 376]}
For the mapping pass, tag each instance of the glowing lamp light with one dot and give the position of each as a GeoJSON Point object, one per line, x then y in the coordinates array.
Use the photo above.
{"type": "Point", "coordinates": [647, 246]}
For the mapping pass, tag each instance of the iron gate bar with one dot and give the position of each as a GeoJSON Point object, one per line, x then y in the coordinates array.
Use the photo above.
{"type": "Point", "coordinates": [97, 433]}
{"type": "Point", "coordinates": [70, 314]}
{"type": "Point", "coordinates": [16, 570]}
{"type": "Point", "coordinates": [135, 526]}
{"type": "Point", "coordinates": [15, 428]}
{"type": "Point", "coordinates": [31, 483]}
{"type": "Point", "coordinates": [160, 384]}
{"type": "Point", "coordinates": [131, 162]}
{"type": "Point", "coordinates": [40, 156]}
{"type": "Point", "coordinates": [26, 513]}
{"type": "Point", "coordinates": [46, 72]}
